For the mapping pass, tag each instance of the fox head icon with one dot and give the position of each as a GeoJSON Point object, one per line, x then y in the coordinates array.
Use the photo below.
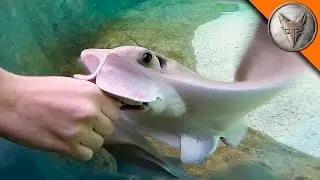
{"type": "Point", "coordinates": [292, 29]}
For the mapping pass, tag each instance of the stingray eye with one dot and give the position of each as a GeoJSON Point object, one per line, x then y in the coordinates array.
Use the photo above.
{"type": "Point", "coordinates": [146, 58]}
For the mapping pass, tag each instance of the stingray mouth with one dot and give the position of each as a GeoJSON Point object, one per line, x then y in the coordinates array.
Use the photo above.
{"type": "Point", "coordinates": [143, 106]}
{"type": "Point", "coordinates": [129, 104]}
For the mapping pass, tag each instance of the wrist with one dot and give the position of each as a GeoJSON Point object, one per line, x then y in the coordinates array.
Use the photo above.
{"type": "Point", "coordinates": [6, 83]}
{"type": "Point", "coordinates": [7, 100]}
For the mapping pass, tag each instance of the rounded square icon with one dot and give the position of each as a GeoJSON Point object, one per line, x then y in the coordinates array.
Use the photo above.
{"type": "Point", "coordinates": [292, 27]}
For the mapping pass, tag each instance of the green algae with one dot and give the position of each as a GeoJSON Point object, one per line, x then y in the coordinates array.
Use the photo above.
{"type": "Point", "coordinates": [45, 37]}
{"type": "Point", "coordinates": [162, 26]}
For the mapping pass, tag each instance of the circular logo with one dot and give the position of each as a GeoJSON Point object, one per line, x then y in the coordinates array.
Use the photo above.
{"type": "Point", "coordinates": [292, 27]}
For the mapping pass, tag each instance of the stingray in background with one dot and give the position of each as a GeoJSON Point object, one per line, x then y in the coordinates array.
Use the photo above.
{"type": "Point", "coordinates": [180, 107]}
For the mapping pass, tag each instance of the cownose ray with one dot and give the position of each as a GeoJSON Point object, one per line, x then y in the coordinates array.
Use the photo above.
{"type": "Point", "coordinates": [181, 108]}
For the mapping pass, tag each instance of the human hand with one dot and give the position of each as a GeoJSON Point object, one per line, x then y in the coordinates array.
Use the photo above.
{"type": "Point", "coordinates": [59, 114]}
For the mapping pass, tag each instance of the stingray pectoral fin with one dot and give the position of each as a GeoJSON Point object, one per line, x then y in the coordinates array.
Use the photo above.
{"type": "Point", "coordinates": [92, 60]}
{"type": "Point", "coordinates": [129, 143]}
{"type": "Point", "coordinates": [167, 138]}
{"type": "Point", "coordinates": [235, 134]}
{"type": "Point", "coordinates": [85, 77]}
{"type": "Point", "coordinates": [126, 79]}
{"type": "Point", "coordinates": [195, 150]}
{"type": "Point", "coordinates": [91, 76]}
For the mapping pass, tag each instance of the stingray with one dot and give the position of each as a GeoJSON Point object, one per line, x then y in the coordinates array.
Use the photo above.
{"type": "Point", "coordinates": [166, 101]}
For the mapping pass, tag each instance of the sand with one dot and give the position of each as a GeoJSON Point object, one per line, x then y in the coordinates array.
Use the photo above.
{"type": "Point", "coordinates": [293, 116]}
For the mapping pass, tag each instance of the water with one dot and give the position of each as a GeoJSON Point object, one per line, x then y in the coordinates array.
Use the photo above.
{"type": "Point", "coordinates": [45, 38]}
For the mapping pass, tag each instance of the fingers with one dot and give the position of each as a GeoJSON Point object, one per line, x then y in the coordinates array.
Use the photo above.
{"type": "Point", "coordinates": [92, 140]}
{"type": "Point", "coordinates": [86, 145]}
{"type": "Point", "coordinates": [110, 107]}
{"type": "Point", "coordinates": [82, 152]}
{"type": "Point", "coordinates": [75, 149]}
{"type": "Point", "coordinates": [103, 125]}
{"type": "Point", "coordinates": [98, 124]}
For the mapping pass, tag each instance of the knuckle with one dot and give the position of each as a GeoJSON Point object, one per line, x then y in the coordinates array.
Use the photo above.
{"type": "Point", "coordinates": [93, 90]}
{"type": "Point", "coordinates": [90, 89]}
{"type": "Point", "coordinates": [73, 133]}
{"type": "Point", "coordinates": [94, 94]}
{"type": "Point", "coordinates": [87, 111]}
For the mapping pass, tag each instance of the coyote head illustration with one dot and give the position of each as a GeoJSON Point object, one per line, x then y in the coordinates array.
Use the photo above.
{"type": "Point", "coordinates": [292, 29]}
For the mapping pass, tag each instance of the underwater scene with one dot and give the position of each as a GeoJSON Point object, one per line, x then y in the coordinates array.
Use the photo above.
{"type": "Point", "coordinates": [196, 42]}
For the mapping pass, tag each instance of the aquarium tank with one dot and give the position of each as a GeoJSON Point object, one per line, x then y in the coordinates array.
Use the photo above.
{"type": "Point", "coordinates": [209, 37]}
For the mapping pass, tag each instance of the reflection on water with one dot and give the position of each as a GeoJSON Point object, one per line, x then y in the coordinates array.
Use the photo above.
{"type": "Point", "coordinates": [48, 40]}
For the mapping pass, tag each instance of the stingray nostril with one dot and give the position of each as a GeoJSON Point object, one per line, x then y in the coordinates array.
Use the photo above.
{"type": "Point", "coordinates": [147, 57]}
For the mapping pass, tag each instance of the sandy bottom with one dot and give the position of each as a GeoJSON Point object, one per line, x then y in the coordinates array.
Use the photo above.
{"type": "Point", "coordinates": [293, 116]}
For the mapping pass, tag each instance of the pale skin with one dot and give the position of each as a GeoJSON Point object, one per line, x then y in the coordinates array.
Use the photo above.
{"type": "Point", "coordinates": [57, 114]}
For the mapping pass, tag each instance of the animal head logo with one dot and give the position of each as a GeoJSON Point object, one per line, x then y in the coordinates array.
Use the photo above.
{"type": "Point", "coordinates": [292, 29]}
